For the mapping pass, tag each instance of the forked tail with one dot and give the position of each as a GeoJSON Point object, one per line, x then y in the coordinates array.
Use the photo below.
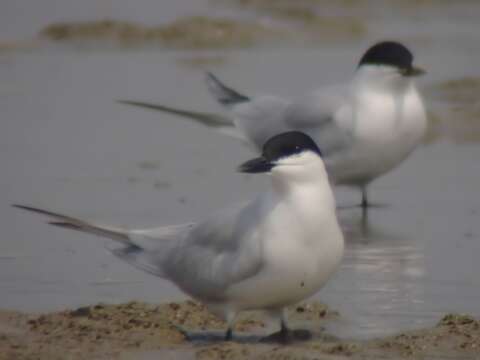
{"type": "Point", "coordinates": [69, 222]}
{"type": "Point", "coordinates": [205, 118]}
{"type": "Point", "coordinates": [131, 251]}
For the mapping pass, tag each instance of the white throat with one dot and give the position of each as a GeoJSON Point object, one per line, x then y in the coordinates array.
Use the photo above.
{"type": "Point", "coordinates": [382, 78]}
{"type": "Point", "coordinates": [304, 182]}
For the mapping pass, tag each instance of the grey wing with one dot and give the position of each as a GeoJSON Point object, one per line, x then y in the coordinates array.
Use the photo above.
{"type": "Point", "coordinates": [148, 248]}
{"type": "Point", "coordinates": [144, 249]}
{"type": "Point", "coordinates": [261, 118]}
{"type": "Point", "coordinates": [257, 119]}
{"type": "Point", "coordinates": [326, 116]}
{"type": "Point", "coordinates": [202, 259]}
{"type": "Point", "coordinates": [218, 122]}
{"type": "Point", "coordinates": [217, 253]}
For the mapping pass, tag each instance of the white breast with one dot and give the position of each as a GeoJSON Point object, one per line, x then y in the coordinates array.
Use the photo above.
{"type": "Point", "coordinates": [386, 128]}
{"type": "Point", "coordinates": [299, 256]}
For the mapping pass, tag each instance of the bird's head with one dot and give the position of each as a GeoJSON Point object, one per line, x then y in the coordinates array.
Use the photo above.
{"type": "Point", "coordinates": [291, 156]}
{"type": "Point", "coordinates": [388, 63]}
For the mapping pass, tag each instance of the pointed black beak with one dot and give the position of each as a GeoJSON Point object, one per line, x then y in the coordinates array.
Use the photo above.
{"type": "Point", "coordinates": [414, 71]}
{"type": "Point", "coordinates": [257, 165]}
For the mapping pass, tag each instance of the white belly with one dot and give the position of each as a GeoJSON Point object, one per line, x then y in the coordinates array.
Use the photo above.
{"type": "Point", "coordinates": [385, 133]}
{"type": "Point", "coordinates": [293, 270]}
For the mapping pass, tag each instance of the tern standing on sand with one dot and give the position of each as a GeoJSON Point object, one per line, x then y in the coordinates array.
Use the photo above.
{"type": "Point", "coordinates": [271, 252]}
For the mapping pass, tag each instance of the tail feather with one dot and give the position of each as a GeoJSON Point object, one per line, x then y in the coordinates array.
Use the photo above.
{"type": "Point", "coordinates": [133, 253]}
{"type": "Point", "coordinates": [65, 225]}
{"type": "Point", "coordinates": [205, 118]}
{"type": "Point", "coordinates": [69, 222]}
{"type": "Point", "coordinates": [224, 95]}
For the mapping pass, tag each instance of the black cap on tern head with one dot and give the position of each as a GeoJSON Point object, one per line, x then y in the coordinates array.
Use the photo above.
{"type": "Point", "coordinates": [391, 53]}
{"type": "Point", "coordinates": [278, 147]}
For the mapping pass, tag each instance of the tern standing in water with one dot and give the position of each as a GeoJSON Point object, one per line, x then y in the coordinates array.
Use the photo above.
{"type": "Point", "coordinates": [365, 127]}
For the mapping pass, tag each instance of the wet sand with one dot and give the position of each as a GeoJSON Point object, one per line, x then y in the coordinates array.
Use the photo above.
{"type": "Point", "coordinates": [138, 330]}
{"type": "Point", "coordinates": [195, 32]}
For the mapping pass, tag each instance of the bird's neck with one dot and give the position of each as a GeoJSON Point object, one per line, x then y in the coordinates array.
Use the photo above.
{"type": "Point", "coordinates": [309, 193]}
{"type": "Point", "coordinates": [308, 211]}
{"type": "Point", "coordinates": [368, 79]}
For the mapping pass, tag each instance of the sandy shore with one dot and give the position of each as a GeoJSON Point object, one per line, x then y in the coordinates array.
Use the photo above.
{"type": "Point", "coordinates": [186, 330]}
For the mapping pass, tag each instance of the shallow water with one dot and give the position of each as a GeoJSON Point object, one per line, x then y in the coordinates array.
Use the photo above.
{"type": "Point", "coordinates": [67, 146]}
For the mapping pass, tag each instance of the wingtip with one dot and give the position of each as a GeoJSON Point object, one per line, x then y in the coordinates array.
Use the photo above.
{"type": "Point", "coordinates": [30, 209]}
{"type": "Point", "coordinates": [125, 102]}
{"type": "Point", "coordinates": [222, 93]}
{"type": "Point", "coordinates": [38, 210]}
{"type": "Point", "coordinates": [23, 207]}
{"type": "Point", "coordinates": [211, 77]}
{"type": "Point", "coordinates": [65, 225]}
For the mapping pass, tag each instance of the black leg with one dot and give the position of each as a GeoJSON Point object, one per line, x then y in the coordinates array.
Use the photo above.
{"type": "Point", "coordinates": [364, 226]}
{"type": "Point", "coordinates": [287, 336]}
{"type": "Point", "coordinates": [364, 198]}
{"type": "Point", "coordinates": [283, 327]}
{"type": "Point", "coordinates": [229, 334]}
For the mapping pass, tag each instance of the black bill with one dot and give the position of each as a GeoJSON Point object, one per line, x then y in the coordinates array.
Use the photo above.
{"type": "Point", "coordinates": [257, 165]}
